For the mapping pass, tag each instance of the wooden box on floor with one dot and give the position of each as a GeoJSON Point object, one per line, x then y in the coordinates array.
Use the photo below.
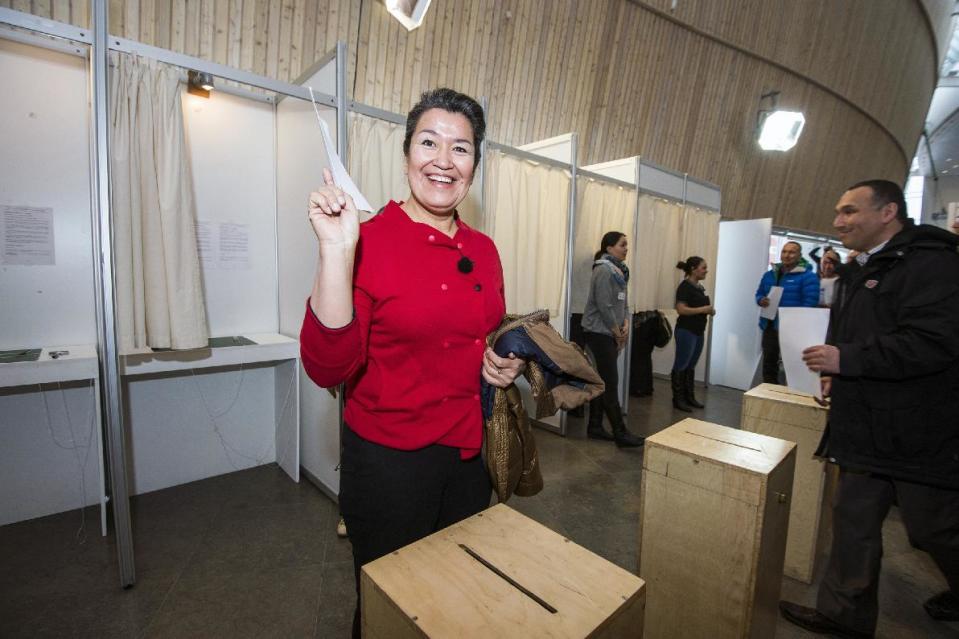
{"type": "Point", "coordinates": [436, 588]}
{"type": "Point", "coordinates": [780, 412]}
{"type": "Point", "coordinates": [713, 516]}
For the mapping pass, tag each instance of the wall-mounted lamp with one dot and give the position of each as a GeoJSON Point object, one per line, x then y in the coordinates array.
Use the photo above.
{"type": "Point", "coordinates": [199, 83]}
{"type": "Point", "coordinates": [778, 130]}
{"type": "Point", "coordinates": [410, 13]}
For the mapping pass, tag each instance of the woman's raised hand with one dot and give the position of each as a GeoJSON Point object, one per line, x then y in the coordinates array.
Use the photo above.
{"type": "Point", "coordinates": [333, 215]}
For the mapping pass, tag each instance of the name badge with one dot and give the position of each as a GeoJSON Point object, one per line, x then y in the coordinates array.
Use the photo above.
{"type": "Point", "coordinates": [621, 295]}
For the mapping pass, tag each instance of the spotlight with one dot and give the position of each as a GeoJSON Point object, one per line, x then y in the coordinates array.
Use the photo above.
{"type": "Point", "coordinates": [199, 83]}
{"type": "Point", "coordinates": [778, 130]}
{"type": "Point", "coordinates": [410, 13]}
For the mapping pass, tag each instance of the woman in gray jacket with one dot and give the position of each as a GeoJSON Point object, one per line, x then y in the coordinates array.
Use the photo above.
{"type": "Point", "coordinates": [605, 328]}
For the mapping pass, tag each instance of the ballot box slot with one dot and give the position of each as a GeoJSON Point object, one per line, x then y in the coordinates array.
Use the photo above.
{"type": "Point", "coordinates": [723, 441]}
{"type": "Point", "coordinates": [502, 575]}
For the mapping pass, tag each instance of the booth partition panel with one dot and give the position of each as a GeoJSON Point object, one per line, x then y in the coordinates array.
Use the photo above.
{"type": "Point", "coordinates": [50, 438]}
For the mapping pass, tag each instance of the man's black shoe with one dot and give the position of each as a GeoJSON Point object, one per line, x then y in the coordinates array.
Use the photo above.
{"type": "Point", "coordinates": [944, 606]}
{"type": "Point", "coordinates": [599, 433]}
{"type": "Point", "coordinates": [813, 621]}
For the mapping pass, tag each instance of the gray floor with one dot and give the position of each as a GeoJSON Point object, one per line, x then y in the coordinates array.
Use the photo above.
{"type": "Point", "coordinates": [252, 554]}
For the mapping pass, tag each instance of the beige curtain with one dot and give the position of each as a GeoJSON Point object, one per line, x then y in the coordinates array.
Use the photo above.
{"type": "Point", "coordinates": [376, 159]}
{"type": "Point", "coordinates": [700, 236]}
{"type": "Point", "coordinates": [378, 168]}
{"type": "Point", "coordinates": [658, 248]}
{"type": "Point", "coordinates": [527, 205]}
{"type": "Point", "coordinates": [159, 290]}
{"type": "Point", "coordinates": [600, 207]}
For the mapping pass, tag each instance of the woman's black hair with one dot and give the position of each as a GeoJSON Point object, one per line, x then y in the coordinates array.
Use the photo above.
{"type": "Point", "coordinates": [691, 264]}
{"type": "Point", "coordinates": [610, 239]}
{"type": "Point", "coordinates": [453, 102]}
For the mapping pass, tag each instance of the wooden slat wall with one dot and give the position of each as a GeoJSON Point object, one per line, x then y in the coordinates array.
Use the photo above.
{"type": "Point", "coordinates": [630, 76]}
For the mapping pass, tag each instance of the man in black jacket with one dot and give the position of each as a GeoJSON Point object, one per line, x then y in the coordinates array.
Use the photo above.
{"type": "Point", "coordinates": [891, 368]}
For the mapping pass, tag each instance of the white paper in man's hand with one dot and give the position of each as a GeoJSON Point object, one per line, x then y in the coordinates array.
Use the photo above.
{"type": "Point", "coordinates": [800, 328]}
{"type": "Point", "coordinates": [775, 294]}
{"type": "Point", "coordinates": [340, 177]}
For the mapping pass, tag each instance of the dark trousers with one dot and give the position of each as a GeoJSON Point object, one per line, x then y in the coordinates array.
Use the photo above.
{"type": "Point", "coordinates": [848, 593]}
{"type": "Point", "coordinates": [641, 357]}
{"type": "Point", "coordinates": [391, 498]}
{"type": "Point", "coordinates": [604, 352]}
{"type": "Point", "coordinates": [770, 355]}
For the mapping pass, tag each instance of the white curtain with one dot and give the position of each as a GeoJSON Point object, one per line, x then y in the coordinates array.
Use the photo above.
{"type": "Point", "coordinates": [600, 207]}
{"type": "Point", "coordinates": [159, 290]}
{"type": "Point", "coordinates": [658, 248]}
{"type": "Point", "coordinates": [376, 160]}
{"type": "Point", "coordinates": [527, 206]}
{"type": "Point", "coordinates": [377, 166]}
{"type": "Point", "coordinates": [700, 236]}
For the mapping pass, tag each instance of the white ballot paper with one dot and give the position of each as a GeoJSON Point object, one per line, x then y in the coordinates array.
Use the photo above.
{"type": "Point", "coordinates": [340, 176]}
{"type": "Point", "coordinates": [800, 328]}
{"type": "Point", "coordinates": [775, 294]}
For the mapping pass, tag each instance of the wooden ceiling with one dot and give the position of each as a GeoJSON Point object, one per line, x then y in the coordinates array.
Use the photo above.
{"type": "Point", "coordinates": [679, 87]}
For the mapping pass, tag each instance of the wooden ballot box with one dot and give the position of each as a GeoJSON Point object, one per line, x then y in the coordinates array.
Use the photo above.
{"type": "Point", "coordinates": [498, 574]}
{"type": "Point", "coordinates": [713, 516]}
{"type": "Point", "coordinates": [781, 412]}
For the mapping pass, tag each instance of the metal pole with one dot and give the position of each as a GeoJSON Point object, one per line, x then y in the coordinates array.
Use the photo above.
{"type": "Point", "coordinates": [341, 148]}
{"type": "Point", "coordinates": [484, 102]}
{"type": "Point", "coordinates": [341, 132]}
{"type": "Point", "coordinates": [570, 244]}
{"type": "Point", "coordinates": [110, 395]}
{"type": "Point", "coordinates": [570, 236]}
{"type": "Point", "coordinates": [629, 343]}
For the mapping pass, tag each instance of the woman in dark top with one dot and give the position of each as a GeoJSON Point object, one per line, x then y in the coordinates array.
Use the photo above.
{"type": "Point", "coordinates": [693, 307]}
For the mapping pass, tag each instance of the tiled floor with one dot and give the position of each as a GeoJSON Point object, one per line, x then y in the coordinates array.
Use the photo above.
{"type": "Point", "coordinates": [252, 554]}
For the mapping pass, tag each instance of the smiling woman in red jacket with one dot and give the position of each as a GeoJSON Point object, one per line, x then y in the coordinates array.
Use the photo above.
{"type": "Point", "coordinates": [400, 310]}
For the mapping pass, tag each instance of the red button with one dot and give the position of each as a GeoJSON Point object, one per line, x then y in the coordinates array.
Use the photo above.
{"type": "Point", "coordinates": [446, 344]}
{"type": "Point", "coordinates": [475, 396]}
{"type": "Point", "coordinates": [444, 286]}
{"type": "Point", "coordinates": [432, 238]}
{"type": "Point", "coordinates": [477, 341]}
{"type": "Point", "coordinates": [459, 245]}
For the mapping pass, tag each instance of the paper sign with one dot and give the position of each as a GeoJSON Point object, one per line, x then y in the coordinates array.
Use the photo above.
{"type": "Point", "coordinates": [26, 236]}
{"type": "Point", "coordinates": [800, 328]}
{"type": "Point", "coordinates": [340, 176]}
{"type": "Point", "coordinates": [775, 294]}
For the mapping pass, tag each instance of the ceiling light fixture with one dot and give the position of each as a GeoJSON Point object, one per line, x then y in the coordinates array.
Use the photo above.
{"type": "Point", "coordinates": [199, 83]}
{"type": "Point", "coordinates": [410, 13]}
{"type": "Point", "coordinates": [778, 130]}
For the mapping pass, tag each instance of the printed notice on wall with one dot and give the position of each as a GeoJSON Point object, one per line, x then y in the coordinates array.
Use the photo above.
{"type": "Point", "coordinates": [26, 236]}
{"type": "Point", "coordinates": [223, 245]}
{"type": "Point", "coordinates": [234, 246]}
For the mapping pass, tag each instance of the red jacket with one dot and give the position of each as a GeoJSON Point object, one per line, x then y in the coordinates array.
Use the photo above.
{"type": "Point", "coordinates": [412, 355]}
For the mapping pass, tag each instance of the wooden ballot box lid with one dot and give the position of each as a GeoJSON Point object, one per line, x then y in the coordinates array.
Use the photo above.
{"type": "Point", "coordinates": [784, 405]}
{"type": "Point", "coordinates": [468, 580]}
{"type": "Point", "coordinates": [729, 461]}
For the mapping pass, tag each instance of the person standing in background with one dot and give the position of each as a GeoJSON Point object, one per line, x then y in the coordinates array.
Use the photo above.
{"type": "Point", "coordinates": [828, 276]}
{"type": "Point", "coordinates": [694, 309]}
{"type": "Point", "coordinates": [606, 327]}
{"type": "Point", "coordinates": [800, 288]}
